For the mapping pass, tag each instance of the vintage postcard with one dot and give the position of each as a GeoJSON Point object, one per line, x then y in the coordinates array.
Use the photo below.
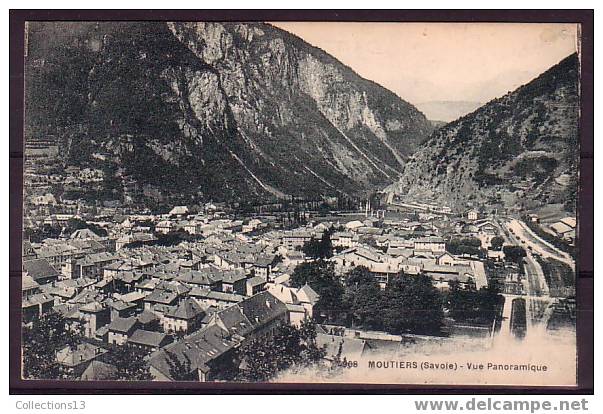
{"type": "Point", "coordinates": [301, 202]}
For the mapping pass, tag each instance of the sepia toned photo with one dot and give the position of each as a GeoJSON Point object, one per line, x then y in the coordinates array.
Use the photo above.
{"type": "Point", "coordinates": [301, 202]}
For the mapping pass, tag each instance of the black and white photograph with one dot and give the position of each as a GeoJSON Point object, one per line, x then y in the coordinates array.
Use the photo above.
{"type": "Point", "coordinates": [301, 202]}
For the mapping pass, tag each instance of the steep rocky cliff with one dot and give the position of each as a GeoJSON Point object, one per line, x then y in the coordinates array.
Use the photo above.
{"type": "Point", "coordinates": [226, 110]}
{"type": "Point", "coordinates": [519, 150]}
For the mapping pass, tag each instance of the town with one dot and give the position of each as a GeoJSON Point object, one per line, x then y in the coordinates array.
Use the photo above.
{"type": "Point", "coordinates": [197, 291]}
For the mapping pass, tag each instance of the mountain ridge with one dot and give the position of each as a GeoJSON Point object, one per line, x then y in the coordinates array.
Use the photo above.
{"type": "Point", "coordinates": [225, 110]}
{"type": "Point", "coordinates": [517, 151]}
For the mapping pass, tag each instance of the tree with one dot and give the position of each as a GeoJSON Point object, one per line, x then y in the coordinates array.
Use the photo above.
{"type": "Point", "coordinates": [468, 245]}
{"type": "Point", "coordinates": [514, 253]}
{"type": "Point", "coordinates": [363, 298]}
{"type": "Point", "coordinates": [74, 224]}
{"type": "Point", "coordinates": [41, 341]}
{"type": "Point", "coordinates": [264, 358]}
{"type": "Point", "coordinates": [320, 275]}
{"type": "Point", "coordinates": [180, 370]}
{"type": "Point", "coordinates": [47, 231]}
{"type": "Point", "coordinates": [497, 242]}
{"type": "Point", "coordinates": [412, 304]}
{"type": "Point", "coordinates": [473, 305]}
{"type": "Point", "coordinates": [130, 362]}
{"type": "Point", "coordinates": [319, 249]}
{"type": "Point", "coordinates": [370, 241]}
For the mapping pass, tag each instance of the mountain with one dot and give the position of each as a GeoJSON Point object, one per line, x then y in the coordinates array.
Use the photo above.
{"type": "Point", "coordinates": [447, 111]}
{"type": "Point", "coordinates": [226, 111]}
{"type": "Point", "coordinates": [518, 150]}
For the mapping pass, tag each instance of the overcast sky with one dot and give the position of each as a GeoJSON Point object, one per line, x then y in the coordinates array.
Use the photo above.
{"type": "Point", "coordinates": [424, 62]}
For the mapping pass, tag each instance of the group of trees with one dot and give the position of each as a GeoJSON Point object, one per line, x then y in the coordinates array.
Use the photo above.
{"type": "Point", "coordinates": [48, 334]}
{"type": "Point", "coordinates": [41, 342]}
{"type": "Point", "coordinates": [319, 248]}
{"type": "Point", "coordinates": [74, 224]}
{"type": "Point", "coordinates": [514, 253]}
{"type": "Point", "coordinates": [497, 243]}
{"type": "Point", "coordinates": [465, 246]}
{"type": "Point", "coordinates": [48, 231]}
{"type": "Point", "coordinates": [263, 358]}
{"type": "Point", "coordinates": [408, 303]}
{"type": "Point", "coordinates": [321, 277]}
{"type": "Point", "coordinates": [471, 305]}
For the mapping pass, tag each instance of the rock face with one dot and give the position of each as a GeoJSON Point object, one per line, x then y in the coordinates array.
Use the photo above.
{"type": "Point", "coordinates": [226, 110]}
{"type": "Point", "coordinates": [519, 150]}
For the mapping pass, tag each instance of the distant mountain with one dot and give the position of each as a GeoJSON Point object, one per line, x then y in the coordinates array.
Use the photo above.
{"type": "Point", "coordinates": [229, 111]}
{"type": "Point", "coordinates": [520, 150]}
{"type": "Point", "coordinates": [447, 111]}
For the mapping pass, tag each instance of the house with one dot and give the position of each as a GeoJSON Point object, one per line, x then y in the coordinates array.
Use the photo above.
{"type": "Point", "coordinates": [178, 211]}
{"type": "Point", "coordinates": [193, 227]}
{"type": "Point", "coordinates": [344, 240]}
{"type": "Point", "coordinates": [446, 259]}
{"type": "Point", "coordinates": [29, 287]}
{"type": "Point", "coordinates": [36, 305]}
{"type": "Point", "coordinates": [121, 309]}
{"type": "Point", "coordinates": [569, 221]}
{"type": "Point", "coordinates": [135, 298]}
{"type": "Point", "coordinates": [99, 371]}
{"type": "Point", "coordinates": [185, 317]}
{"type": "Point", "coordinates": [90, 266]}
{"type": "Point", "coordinates": [85, 234]}
{"type": "Point", "coordinates": [534, 218]}
{"type": "Point", "coordinates": [148, 321]}
{"type": "Point", "coordinates": [210, 298]}
{"type": "Point", "coordinates": [120, 329]}
{"type": "Point", "coordinates": [561, 229]}
{"type": "Point", "coordinates": [295, 239]}
{"type": "Point", "coordinates": [357, 256]}
{"type": "Point", "coordinates": [487, 228]}
{"type": "Point", "coordinates": [164, 227]}
{"type": "Point", "coordinates": [300, 301]}
{"type": "Point", "coordinates": [135, 238]}
{"type": "Point", "coordinates": [208, 277]}
{"type": "Point", "coordinates": [29, 252]}
{"type": "Point", "coordinates": [94, 316]}
{"type": "Point", "coordinates": [262, 266]}
{"type": "Point", "coordinates": [211, 349]}
{"type": "Point", "coordinates": [76, 360]}
{"type": "Point", "coordinates": [441, 276]}
{"type": "Point", "coordinates": [234, 281]}
{"type": "Point", "coordinates": [354, 225]}
{"type": "Point", "coordinates": [565, 229]}
{"type": "Point", "coordinates": [339, 348]}
{"type": "Point", "coordinates": [149, 341]}
{"type": "Point", "coordinates": [160, 297]}
{"type": "Point", "coordinates": [433, 244]}
{"type": "Point", "coordinates": [44, 200]}
{"type": "Point", "coordinates": [255, 285]}
{"type": "Point", "coordinates": [41, 271]}
{"type": "Point", "coordinates": [472, 214]}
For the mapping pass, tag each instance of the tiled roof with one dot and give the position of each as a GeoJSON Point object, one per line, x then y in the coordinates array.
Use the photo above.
{"type": "Point", "coordinates": [187, 309]}
{"type": "Point", "coordinates": [39, 269]}
{"type": "Point", "coordinates": [148, 338]}
{"type": "Point", "coordinates": [122, 325]}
